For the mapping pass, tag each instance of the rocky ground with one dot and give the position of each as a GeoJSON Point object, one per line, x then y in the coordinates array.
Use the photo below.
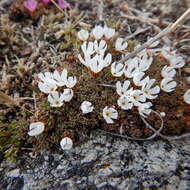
{"type": "Point", "coordinates": [103, 163]}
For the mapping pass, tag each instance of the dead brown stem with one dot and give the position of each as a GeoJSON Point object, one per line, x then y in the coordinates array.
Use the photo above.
{"type": "Point", "coordinates": [163, 33]}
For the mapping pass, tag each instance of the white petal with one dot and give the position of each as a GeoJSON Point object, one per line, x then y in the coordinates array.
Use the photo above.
{"type": "Point", "coordinates": [36, 128]}
{"type": "Point", "coordinates": [168, 72]}
{"type": "Point", "coordinates": [67, 95]}
{"type": "Point", "coordinates": [86, 107]}
{"type": "Point", "coordinates": [83, 35]}
{"type": "Point", "coordinates": [66, 143]}
{"type": "Point", "coordinates": [125, 102]}
{"type": "Point", "coordinates": [186, 96]}
{"type": "Point", "coordinates": [98, 32]}
{"type": "Point", "coordinates": [109, 32]}
{"type": "Point", "coordinates": [120, 45]}
{"type": "Point", "coordinates": [168, 85]}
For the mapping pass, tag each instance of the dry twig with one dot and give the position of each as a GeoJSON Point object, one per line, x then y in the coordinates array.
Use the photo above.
{"type": "Point", "coordinates": [163, 33]}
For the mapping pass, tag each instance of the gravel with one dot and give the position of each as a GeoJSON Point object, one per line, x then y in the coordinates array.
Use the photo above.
{"type": "Point", "coordinates": [105, 163]}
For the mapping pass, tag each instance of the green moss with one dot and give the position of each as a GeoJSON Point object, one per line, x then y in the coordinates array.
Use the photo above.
{"type": "Point", "coordinates": [10, 141]}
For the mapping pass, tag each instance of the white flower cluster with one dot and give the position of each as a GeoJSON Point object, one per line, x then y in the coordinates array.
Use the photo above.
{"type": "Point", "coordinates": [50, 82]}
{"type": "Point", "coordinates": [168, 72]}
{"type": "Point", "coordinates": [138, 89]}
{"type": "Point", "coordinates": [94, 52]}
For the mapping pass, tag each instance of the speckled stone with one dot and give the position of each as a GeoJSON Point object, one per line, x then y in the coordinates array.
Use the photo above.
{"type": "Point", "coordinates": [126, 165]}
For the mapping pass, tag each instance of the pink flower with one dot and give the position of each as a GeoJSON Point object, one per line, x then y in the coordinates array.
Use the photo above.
{"type": "Point", "coordinates": [46, 1]}
{"type": "Point", "coordinates": [31, 5]}
{"type": "Point", "coordinates": [63, 4]}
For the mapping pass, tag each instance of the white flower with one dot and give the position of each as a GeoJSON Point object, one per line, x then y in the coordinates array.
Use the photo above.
{"type": "Point", "coordinates": [176, 62]}
{"type": "Point", "coordinates": [106, 60]}
{"type": "Point", "coordinates": [96, 64]}
{"type": "Point", "coordinates": [46, 77]}
{"type": "Point", "coordinates": [66, 143]}
{"type": "Point", "coordinates": [168, 84]}
{"type": "Point", "coordinates": [149, 91]}
{"type": "Point", "coordinates": [125, 102]}
{"type": "Point", "coordinates": [109, 114]}
{"type": "Point", "coordinates": [98, 32]}
{"type": "Point", "coordinates": [109, 32]}
{"type": "Point", "coordinates": [132, 67]}
{"type": "Point", "coordinates": [87, 48]}
{"type": "Point", "coordinates": [60, 78]}
{"type": "Point", "coordinates": [67, 95]}
{"type": "Point", "coordinates": [47, 87]}
{"type": "Point", "coordinates": [186, 96]}
{"type": "Point", "coordinates": [144, 62]}
{"type": "Point", "coordinates": [138, 97]}
{"type": "Point", "coordinates": [83, 35]}
{"type": "Point", "coordinates": [36, 128]}
{"type": "Point", "coordinates": [138, 79]}
{"type": "Point", "coordinates": [168, 72]}
{"type": "Point", "coordinates": [86, 107]}
{"type": "Point", "coordinates": [86, 60]}
{"type": "Point", "coordinates": [55, 99]}
{"type": "Point", "coordinates": [162, 114]}
{"type": "Point", "coordinates": [117, 69]}
{"type": "Point", "coordinates": [123, 89]}
{"type": "Point", "coordinates": [70, 82]}
{"type": "Point", "coordinates": [120, 45]}
{"type": "Point", "coordinates": [100, 47]}
{"type": "Point", "coordinates": [144, 109]}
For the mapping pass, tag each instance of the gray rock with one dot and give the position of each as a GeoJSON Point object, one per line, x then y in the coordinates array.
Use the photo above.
{"type": "Point", "coordinates": [13, 173]}
{"type": "Point", "coordinates": [124, 165]}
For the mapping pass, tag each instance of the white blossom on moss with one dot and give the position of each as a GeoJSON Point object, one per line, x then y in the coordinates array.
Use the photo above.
{"type": "Point", "coordinates": [168, 72]}
{"type": "Point", "coordinates": [86, 107]}
{"type": "Point", "coordinates": [55, 99]}
{"type": "Point", "coordinates": [36, 128]}
{"type": "Point", "coordinates": [88, 48]}
{"type": "Point", "coordinates": [46, 76]}
{"type": "Point", "coordinates": [139, 80]}
{"type": "Point", "coordinates": [125, 102]}
{"type": "Point", "coordinates": [131, 67]}
{"type": "Point", "coordinates": [106, 60]}
{"type": "Point", "coordinates": [71, 82]}
{"type": "Point", "coordinates": [109, 114]}
{"type": "Point", "coordinates": [186, 96]}
{"type": "Point", "coordinates": [117, 69]}
{"type": "Point", "coordinates": [168, 84]}
{"type": "Point", "coordinates": [47, 87]}
{"type": "Point", "coordinates": [98, 32]}
{"type": "Point", "coordinates": [60, 78]}
{"type": "Point", "coordinates": [123, 89]}
{"type": "Point", "coordinates": [67, 95]}
{"type": "Point", "coordinates": [120, 44]}
{"type": "Point", "coordinates": [83, 35]}
{"type": "Point", "coordinates": [108, 32]}
{"type": "Point", "coordinates": [66, 143]}
{"type": "Point", "coordinates": [96, 64]}
{"type": "Point", "coordinates": [144, 62]}
{"type": "Point", "coordinates": [145, 109]}
{"type": "Point", "coordinates": [149, 91]}
{"type": "Point", "coordinates": [138, 97]}
{"type": "Point", "coordinates": [100, 47]}
{"type": "Point", "coordinates": [175, 61]}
